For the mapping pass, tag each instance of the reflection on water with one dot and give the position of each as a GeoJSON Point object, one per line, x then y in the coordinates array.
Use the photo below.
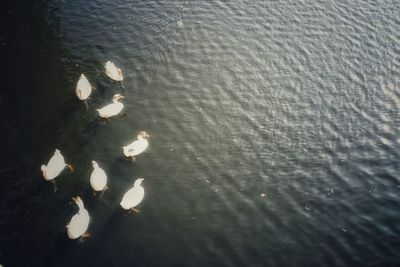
{"type": "Point", "coordinates": [273, 133]}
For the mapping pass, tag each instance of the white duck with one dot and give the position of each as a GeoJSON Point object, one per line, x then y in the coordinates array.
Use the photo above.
{"type": "Point", "coordinates": [133, 197]}
{"type": "Point", "coordinates": [83, 88]}
{"type": "Point", "coordinates": [98, 178]}
{"type": "Point", "coordinates": [54, 167]}
{"type": "Point", "coordinates": [79, 223]}
{"type": "Point", "coordinates": [112, 109]}
{"type": "Point", "coordinates": [137, 146]}
{"type": "Point", "coordinates": [113, 72]}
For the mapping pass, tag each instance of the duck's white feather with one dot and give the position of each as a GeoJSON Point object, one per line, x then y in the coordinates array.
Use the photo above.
{"type": "Point", "coordinates": [133, 197]}
{"type": "Point", "coordinates": [113, 72]}
{"type": "Point", "coordinates": [135, 148]}
{"type": "Point", "coordinates": [79, 222]}
{"type": "Point", "coordinates": [110, 110]}
{"type": "Point", "coordinates": [98, 179]}
{"type": "Point", "coordinates": [83, 88]}
{"type": "Point", "coordinates": [54, 167]}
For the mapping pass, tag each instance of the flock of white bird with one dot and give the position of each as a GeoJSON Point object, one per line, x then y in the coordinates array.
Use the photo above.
{"type": "Point", "coordinates": [79, 223]}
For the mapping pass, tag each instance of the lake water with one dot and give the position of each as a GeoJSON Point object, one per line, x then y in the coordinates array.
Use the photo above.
{"type": "Point", "coordinates": [273, 126]}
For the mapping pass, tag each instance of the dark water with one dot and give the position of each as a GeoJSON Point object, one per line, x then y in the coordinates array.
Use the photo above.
{"type": "Point", "coordinates": [297, 100]}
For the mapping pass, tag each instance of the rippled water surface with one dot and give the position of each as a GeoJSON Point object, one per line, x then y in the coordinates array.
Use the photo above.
{"type": "Point", "coordinates": [274, 133]}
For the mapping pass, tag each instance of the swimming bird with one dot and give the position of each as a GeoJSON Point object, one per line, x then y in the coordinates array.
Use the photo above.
{"type": "Point", "coordinates": [112, 109]}
{"type": "Point", "coordinates": [98, 178]}
{"type": "Point", "coordinates": [83, 88]}
{"type": "Point", "coordinates": [113, 72]}
{"type": "Point", "coordinates": [79, 223]}
{"type": "Point", "coordinates": [54, 167]}
{"type": "Point", "coordinates": [137, 146]}
{"type": "Point", "coordinates": [134, 196]}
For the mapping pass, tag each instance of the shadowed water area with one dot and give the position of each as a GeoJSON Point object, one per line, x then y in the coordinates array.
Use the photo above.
{"type": "Point", "coordinates": [273, 128]}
